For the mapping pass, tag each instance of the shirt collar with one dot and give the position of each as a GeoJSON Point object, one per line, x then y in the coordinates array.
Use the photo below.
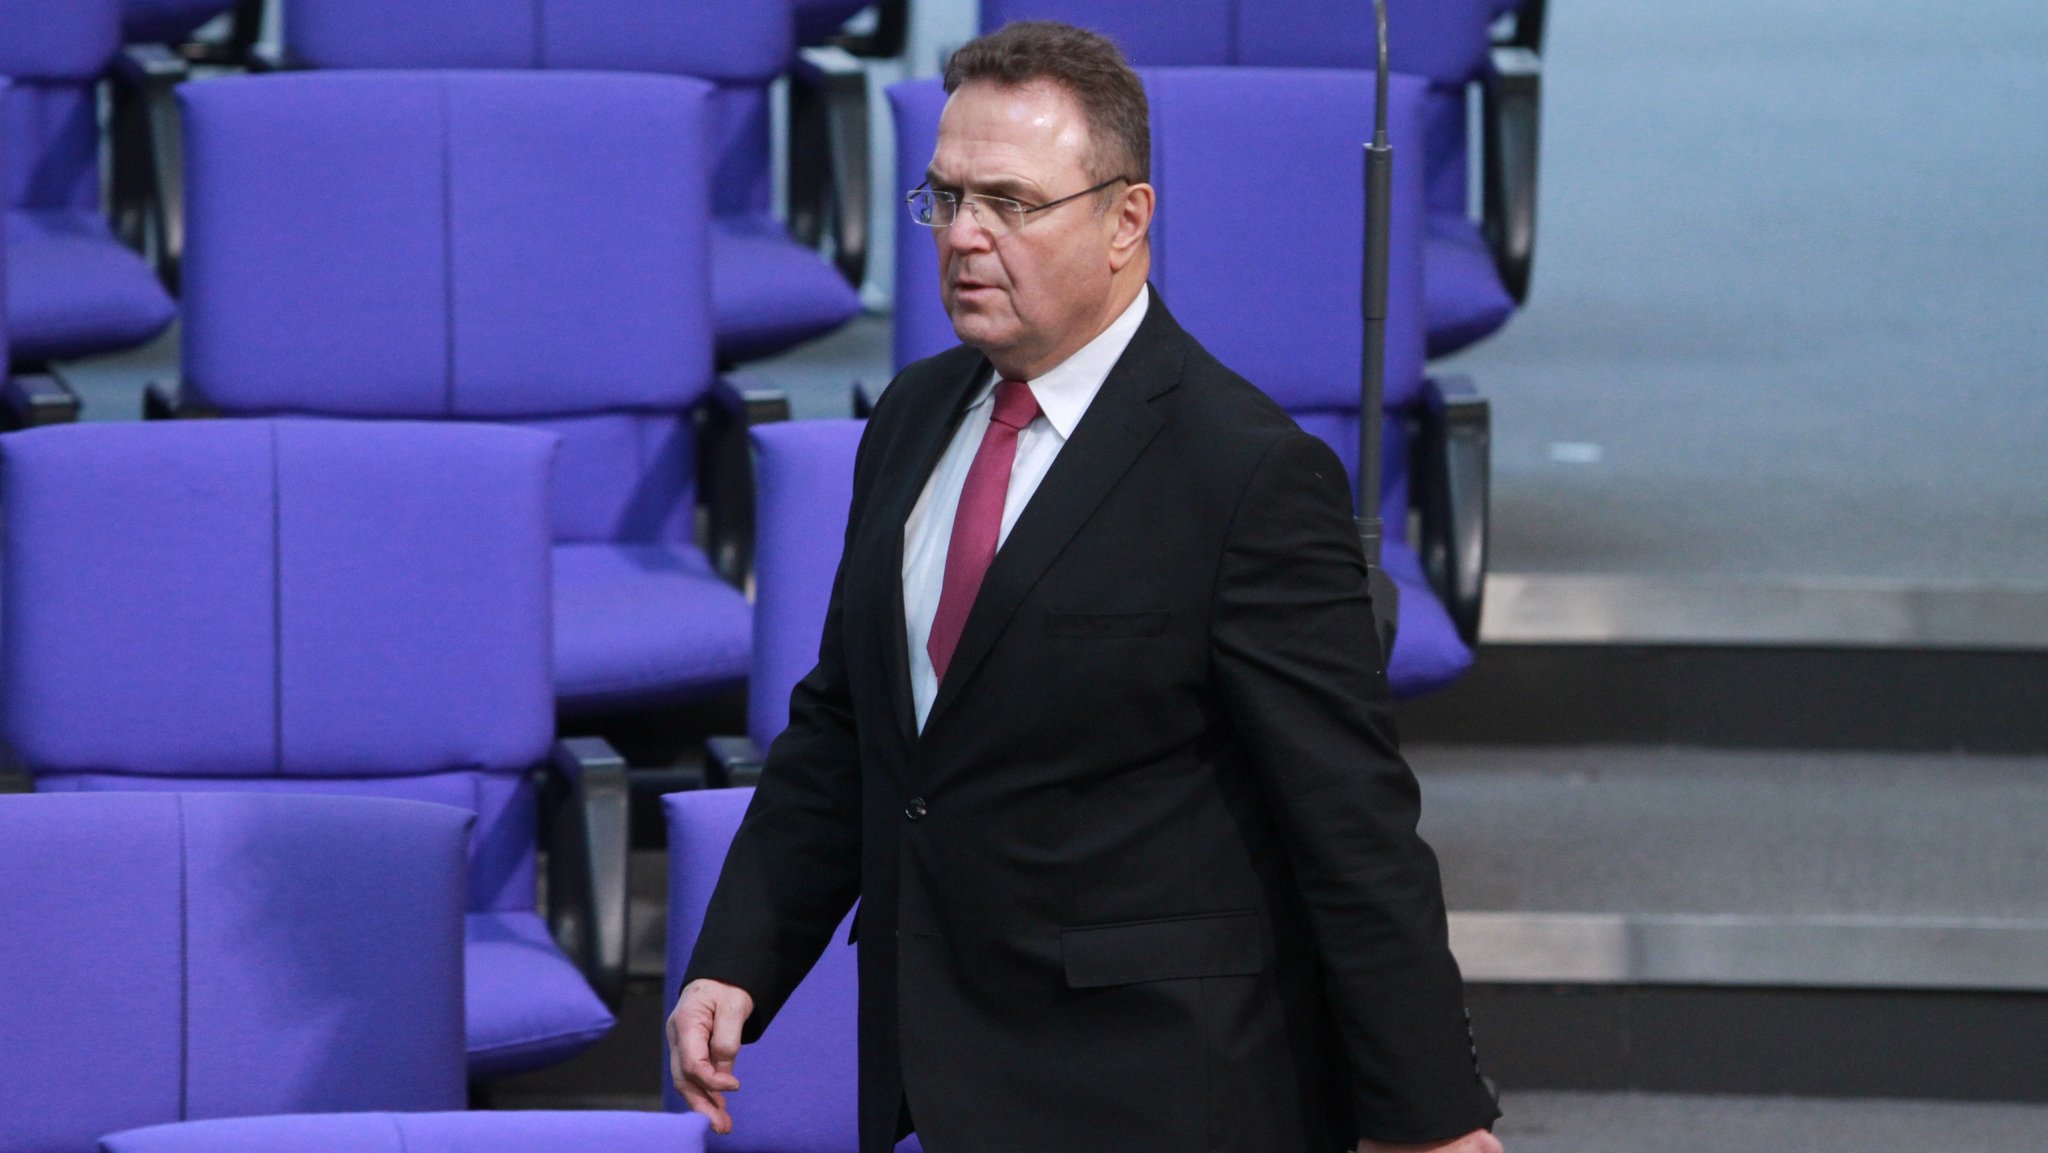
{"type": "Point", "coordinates": [1065, 390]}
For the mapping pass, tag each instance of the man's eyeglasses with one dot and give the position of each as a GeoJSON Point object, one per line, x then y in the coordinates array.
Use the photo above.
{"type": "Point", "coordinates": [997, 215]}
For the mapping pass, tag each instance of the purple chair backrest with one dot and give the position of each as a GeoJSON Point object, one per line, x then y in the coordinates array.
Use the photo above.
{"type": "Point", "coordinates": [800, 1094]}
{"type": "Point", "coordinates": [225, 955]}
{"type": "Point", "coordinates": [285, 605]}
{"type": "Point", "coordinates": [1161, 33]}
{"type": "Point", "coordinates": [1261, 216]}
{"type": "Point", "coordinates": [803, 485]}
{"type": "Point", "coordinates": [49, 126]}
{"type": "Point", "coordinates": [1258, 244]}
{"type": "Point", "coordinates": [476, 245]}
{"type": "Point", "coordinates": [520, 1131]}
{"type": "Point", "coordinates": [741, 46]}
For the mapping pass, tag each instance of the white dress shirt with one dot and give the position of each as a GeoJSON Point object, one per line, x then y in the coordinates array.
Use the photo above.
{"type": "Point", "coordinates": [1063, 395]}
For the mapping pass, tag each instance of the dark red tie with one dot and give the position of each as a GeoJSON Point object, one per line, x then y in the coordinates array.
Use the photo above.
{"type": "Point", "coordinates": [979, 519]}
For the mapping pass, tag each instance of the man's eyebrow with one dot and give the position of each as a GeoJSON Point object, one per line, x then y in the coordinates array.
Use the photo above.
{"type": "Point", "coordinates": [1004, 186]}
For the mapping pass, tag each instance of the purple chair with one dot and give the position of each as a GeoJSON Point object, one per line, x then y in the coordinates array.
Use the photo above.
{"type": "Point", "coordinates": [322, 607]}
{"type": "Point", "coordinates": [768, 291]}
{"type": "Point", "coordinates": [801, 1076]}
{"type": "Point", "coordinates": [804, 487]}
{"type": "Point", "coordinates": [1476, 274]}
{"type": "Point", "coordinates": [521, 247]}
{"type": "Point", "coordinates": [185, 955]}
{"type": "Point", "coordinates": [512, 1132]}
{"type": "Point", "coordinates": [1222, 138]}
{"type": "Point", "coordinates": [73, 289]}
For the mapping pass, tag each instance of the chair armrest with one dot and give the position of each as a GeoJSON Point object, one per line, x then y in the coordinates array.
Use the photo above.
{"type": "Point", "coordinates": [245, 30]}
{"type": "Point", "coordinates": [731, 762]}
{"type": "Point", "coordinates": [1453, 476]}
{"type": "Point", "coordinates": [829, 175]}
{"type": "Point", "coordinates": [725, 477]}
{"type": "Point", "coordinates": [148, 155]}
{"type": "Point", "coordinates": [35, 400]}
{"type": "Point", "coordinates": [586, 802]}
{"type": "Point", "coordinates": [886, 39]}
{"type": "Point", "coordinates": [1511, 122]}
{"type": "Point", "coordinates": [164, 400]}
{"type": "Point", "coordinates": [1523, 24]}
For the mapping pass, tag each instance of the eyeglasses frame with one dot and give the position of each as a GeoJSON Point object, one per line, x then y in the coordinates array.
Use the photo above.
{"type": "Point", "coordinates": [968, 198]}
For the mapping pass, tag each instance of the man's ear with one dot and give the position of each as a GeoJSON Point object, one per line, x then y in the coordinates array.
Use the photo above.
{"type": "Point", "coordinates": [1133, 219]}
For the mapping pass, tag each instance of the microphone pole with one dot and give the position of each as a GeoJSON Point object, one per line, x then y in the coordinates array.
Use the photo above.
{"type": "Point", "coordinates": [1379, 192]}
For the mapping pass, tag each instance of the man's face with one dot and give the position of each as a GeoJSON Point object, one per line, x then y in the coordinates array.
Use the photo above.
{"type": "Point", "coordinates": [1024, 297]}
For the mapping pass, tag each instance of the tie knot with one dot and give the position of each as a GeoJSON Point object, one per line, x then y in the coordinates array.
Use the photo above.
{"type": "Point", "coordinates": [1015, 406]}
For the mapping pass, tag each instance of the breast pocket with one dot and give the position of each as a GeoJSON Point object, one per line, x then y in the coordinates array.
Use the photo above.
{"type": "Point", "coordinates": [1170, 948]}
{"type": "Point", "coordinates": [1139, 624]}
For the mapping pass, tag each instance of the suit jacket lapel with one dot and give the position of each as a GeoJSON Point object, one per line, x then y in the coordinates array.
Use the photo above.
{"type": "Point", "coordinates": [924, 442]}
{"type": "Point", "coordinates": [1118, 425]}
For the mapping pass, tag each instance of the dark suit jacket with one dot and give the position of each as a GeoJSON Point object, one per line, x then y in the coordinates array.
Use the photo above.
{"type": "Point", "coordinates": [1149, 879]}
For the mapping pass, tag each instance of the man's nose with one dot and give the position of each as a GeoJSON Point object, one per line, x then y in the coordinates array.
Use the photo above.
{"type": "Point", "coordinates": [966, 233]}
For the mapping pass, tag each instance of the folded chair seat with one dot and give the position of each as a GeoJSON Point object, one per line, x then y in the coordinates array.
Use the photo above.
{"type": "Point", "coordinates": [72, 289]}
{"type": "Point", "coordinates": [1463, 294]}
{"type": "Point", "coordinates": [769, 292]}
{"type": "Point", "coordinates": [526, 1004]}
{"type": "Point", "coordinates": [646, 621]}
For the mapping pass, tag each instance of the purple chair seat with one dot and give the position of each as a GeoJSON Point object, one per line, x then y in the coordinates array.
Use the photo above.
{"type": "Point", "coordinates": [1462, 295]}
{"type": "Point", "coordinates": [70, 287]}
{"type": "Point", "coordinates": [179, 956]}
{"type": "Point", "coordinates": [528, 1006]}
{"type": "Point", "coordinates": [769, 292]}
{"type": "Point", "coordinates": [508, 1132]}
{"type": "Point", "coordinates": [73, 289]}
{"type": "Point", "coordinates": [639, 622]}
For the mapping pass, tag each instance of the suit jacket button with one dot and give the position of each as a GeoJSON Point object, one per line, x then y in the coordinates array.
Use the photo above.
{"type": "Point", "coordinates": [915, 810]}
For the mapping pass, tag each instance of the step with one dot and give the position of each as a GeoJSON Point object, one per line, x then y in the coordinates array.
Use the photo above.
{"type": "Point", "coordinates": [1672, 1123]}
{"type": "Point", "coordinates": [1741, 921]}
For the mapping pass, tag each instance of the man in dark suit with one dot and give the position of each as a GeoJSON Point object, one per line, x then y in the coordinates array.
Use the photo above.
{"type": "Point", "coordinates": [1098, 733]}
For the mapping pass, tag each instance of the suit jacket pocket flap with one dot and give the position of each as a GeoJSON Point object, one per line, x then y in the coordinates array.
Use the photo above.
{"type": "Point", "coordinates": [1206, 945]}
{"type": "Point", "coordinates": [1147, 624]}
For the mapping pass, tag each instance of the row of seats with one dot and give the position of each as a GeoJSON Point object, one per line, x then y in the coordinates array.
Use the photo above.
{"type": "Point", "coordinates": [83, 295]}
{"type": "Point", "coordinates": [76, 290]}
{"type": "Point", "coordinates": [377, 244]}
{"type": "Point", "coordinates": [282, 686]}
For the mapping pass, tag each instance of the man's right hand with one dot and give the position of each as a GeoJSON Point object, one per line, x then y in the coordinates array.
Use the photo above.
{"type": "Point", "coordinates": [703, 1040]}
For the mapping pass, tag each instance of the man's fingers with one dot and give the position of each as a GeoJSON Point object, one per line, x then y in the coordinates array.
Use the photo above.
{"type": "Point", "coordinates": [725, 1040]}
{"type": "Point", "coordinates": [711, 1105]}
{"type": "Point", "coordinates": [675, 1056]}
{"type": "Point", "coordinates": [690, 1053]}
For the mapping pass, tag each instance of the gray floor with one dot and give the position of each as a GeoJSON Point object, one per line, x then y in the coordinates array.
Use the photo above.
{"type": "Point", "coordinates": [1790, 282]}
{"type": "Point", "coordinates": [1645, 1123]}
{"type": "Point", "coordinates": [1689, 831]}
